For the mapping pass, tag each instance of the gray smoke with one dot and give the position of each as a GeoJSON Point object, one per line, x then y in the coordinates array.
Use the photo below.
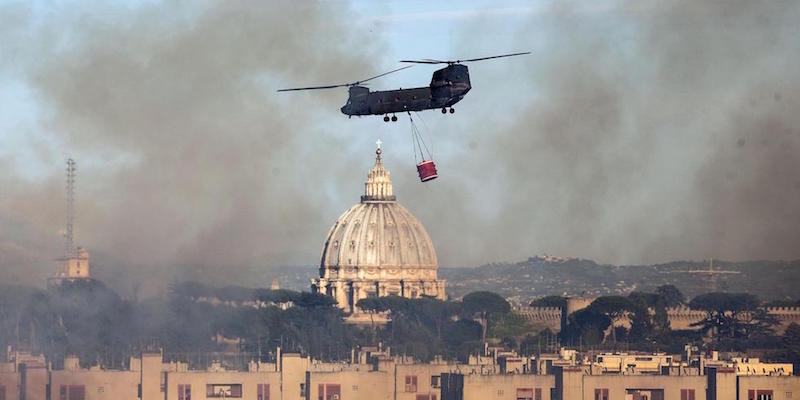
{"type": "Point", "coordinates": [651, 131]}
{"type": "Point", "coordinates": [637, 132]}
{"type": "Point", "coordinates": [194, 160]}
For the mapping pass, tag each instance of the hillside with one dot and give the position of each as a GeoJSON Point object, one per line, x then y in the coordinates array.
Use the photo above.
{"type": "Point", "coordinates": [540, 276]}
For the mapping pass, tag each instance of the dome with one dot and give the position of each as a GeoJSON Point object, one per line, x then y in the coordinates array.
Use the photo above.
{"type": "Point", "coordinates": [377, 248]}
{"type": "Point", "coordinates": [378, 232]}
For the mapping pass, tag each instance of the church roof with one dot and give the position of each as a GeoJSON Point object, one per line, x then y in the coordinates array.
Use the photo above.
{"type": "Point", "coordinates": [378, 231]}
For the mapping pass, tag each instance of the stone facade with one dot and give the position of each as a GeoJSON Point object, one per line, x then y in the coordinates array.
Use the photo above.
{"type": "Point", "coordinates": [381, 376]}
{"type": "Point", "coordinates": [377, 248]}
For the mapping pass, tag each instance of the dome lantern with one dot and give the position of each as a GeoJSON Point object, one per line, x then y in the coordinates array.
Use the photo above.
{"type": "Point", "coordinates": [378, 186]}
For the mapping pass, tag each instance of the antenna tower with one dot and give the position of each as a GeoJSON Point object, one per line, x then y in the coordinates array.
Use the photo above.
{"type": "Point", "coordinates": [69, 246]}
{"type": "Point", "coordinates": [712, 281]}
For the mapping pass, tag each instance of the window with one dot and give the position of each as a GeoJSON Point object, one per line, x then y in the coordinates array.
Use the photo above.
{"type": "Point", "coordinates": [77, 392]}
{"type": "Point", "coordinates": [759, 394]}
{"type": "Point", "coordinates": [687, 394]}
{"type": "Point", "coordinates": [601, 394]}
{"type": "Point", "coordinates": [2, 392]}
{"type": "Point", "coordinates": [184, 392]}
{"type": "Point", "coordinates": [436, 381]}
{"type": "Point", "coordinates": [62, 392]}
{"type": "Point", "coordinates": [302, 390]}
{"type": "Point", "coordinates": [788, 395]}
{"type": "Point", "coordinates": [529, 394]}
{"type": "Point", "coordinates": [499, 392]}
{"type": "Point", "coordinates": [263, 391]}
{"type": "Point", "coordinates": [524, 394]}
{"type": "Point", "coordinates": [330, 391]}
{"type": "Point", "coordinates": [219, 390]}
{"type": "Point", "coordinates": [411, 383]}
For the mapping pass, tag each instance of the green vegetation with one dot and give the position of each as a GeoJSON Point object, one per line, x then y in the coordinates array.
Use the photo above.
{"type": "Point", "coordinates": [426, 327]}
{"type": "Point", "coordinates": [550, 301]}
{"type": "Point", "coordinates": [732, 316]}
{"type": "Point", "coordinates": [484, 306]}
{"type": "Point", "coordinates": [88, 319]}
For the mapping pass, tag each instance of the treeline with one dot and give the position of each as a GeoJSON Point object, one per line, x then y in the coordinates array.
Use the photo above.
{"type": "Point", "coordinates": [89, 320]}
{"type": "Point", "coordinates": [427, 327]}
{"type": "Point", "coordinates": [733, 322]}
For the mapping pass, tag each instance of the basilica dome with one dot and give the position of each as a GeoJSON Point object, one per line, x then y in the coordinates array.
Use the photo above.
{"type": "Point", "coordinates": [377, 248]}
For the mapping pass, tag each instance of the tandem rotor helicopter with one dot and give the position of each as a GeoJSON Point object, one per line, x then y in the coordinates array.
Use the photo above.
{"type": "Point", "coordinates": [448, 86]}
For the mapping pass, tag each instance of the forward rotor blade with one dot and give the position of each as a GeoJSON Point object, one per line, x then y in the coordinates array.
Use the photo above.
{"type": "Point", "coordinates": [343, 84]}
{"type": "Point", "coordinates": [489, 58]}
{"type": "Point", "coordinates": [378, 76]}
{"type": "Point", "coordinates": [424, 61]}
{"type": "Point", "coordinates": [314, 87]}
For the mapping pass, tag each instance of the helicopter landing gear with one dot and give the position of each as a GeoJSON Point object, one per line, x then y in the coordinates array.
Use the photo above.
{"type": "Point", "coordinates": [444, 110]}
{"type": "Point", "coordinates": [394, 118]}
{"type": "Point", "coordinates": [385, 118]}
{"type": "Point", "coordinates": [452, 110]}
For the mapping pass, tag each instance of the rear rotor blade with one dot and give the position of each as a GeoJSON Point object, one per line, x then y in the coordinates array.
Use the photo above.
{"type": "Point", "coordinates": [489, 58]}
{"type": "Point", "coordinates": [430, 61]}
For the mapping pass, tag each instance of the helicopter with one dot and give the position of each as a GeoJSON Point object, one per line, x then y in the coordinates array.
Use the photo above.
{"type": "Point", "coordinates": [448, 86]}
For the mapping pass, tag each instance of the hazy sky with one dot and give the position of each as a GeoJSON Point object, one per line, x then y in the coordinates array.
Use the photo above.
{"type": "Point", "coordinates": [636, 132]}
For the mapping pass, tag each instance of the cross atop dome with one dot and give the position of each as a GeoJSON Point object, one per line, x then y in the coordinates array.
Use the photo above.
{"type": "Point", "coordinates": [378, 186]}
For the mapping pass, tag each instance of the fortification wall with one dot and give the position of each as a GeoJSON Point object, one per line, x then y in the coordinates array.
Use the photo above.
{"type": "Point", "coordinates": [786, 316]}
{"type": "Point", "coordinates": [547, 317]}
{"type": "Point", "coordinates": [680, 318]}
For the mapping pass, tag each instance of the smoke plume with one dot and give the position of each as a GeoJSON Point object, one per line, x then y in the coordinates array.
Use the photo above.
{"type": "Point", "coordinates": [637, 132]}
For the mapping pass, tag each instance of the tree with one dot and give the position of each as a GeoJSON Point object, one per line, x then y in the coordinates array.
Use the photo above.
{"type": "Point", "coordinates": [728, 314]}
{"type": "Point", "coordinates": [550, 301]}
{"type": "Point", "coordinates": [791, 343]}
{"type": "Point", "coordinates": [484, 304]}
{"type": "Point", "coordinates": [671, 296]}
{"type": "Point", "coordinates": [615, 307]}
{"type": "Point", "coordinates": [586, 326]}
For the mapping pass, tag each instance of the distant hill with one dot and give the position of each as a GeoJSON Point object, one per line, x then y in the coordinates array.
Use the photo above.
{"type": "Point", "coordinates": [541, 276]}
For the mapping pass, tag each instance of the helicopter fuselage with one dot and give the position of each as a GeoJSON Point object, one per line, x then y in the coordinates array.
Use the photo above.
{"type": "Point", "coordinates": [448, 86]}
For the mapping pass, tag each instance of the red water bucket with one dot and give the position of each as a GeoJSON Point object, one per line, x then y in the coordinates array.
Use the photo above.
{"type": "Point", "coordinates": [427, 171]}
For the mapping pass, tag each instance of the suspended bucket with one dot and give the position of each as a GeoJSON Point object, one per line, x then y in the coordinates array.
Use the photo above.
{"type": "Point", "coordinates": [427, 171]}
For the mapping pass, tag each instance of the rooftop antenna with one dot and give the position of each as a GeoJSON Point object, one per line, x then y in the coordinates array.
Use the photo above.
{"type": "Point", "coordinates": [69, 246]}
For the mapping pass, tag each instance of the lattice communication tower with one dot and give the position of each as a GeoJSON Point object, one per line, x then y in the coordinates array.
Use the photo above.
{"type": "Point", "coordinates": [69, 247]}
